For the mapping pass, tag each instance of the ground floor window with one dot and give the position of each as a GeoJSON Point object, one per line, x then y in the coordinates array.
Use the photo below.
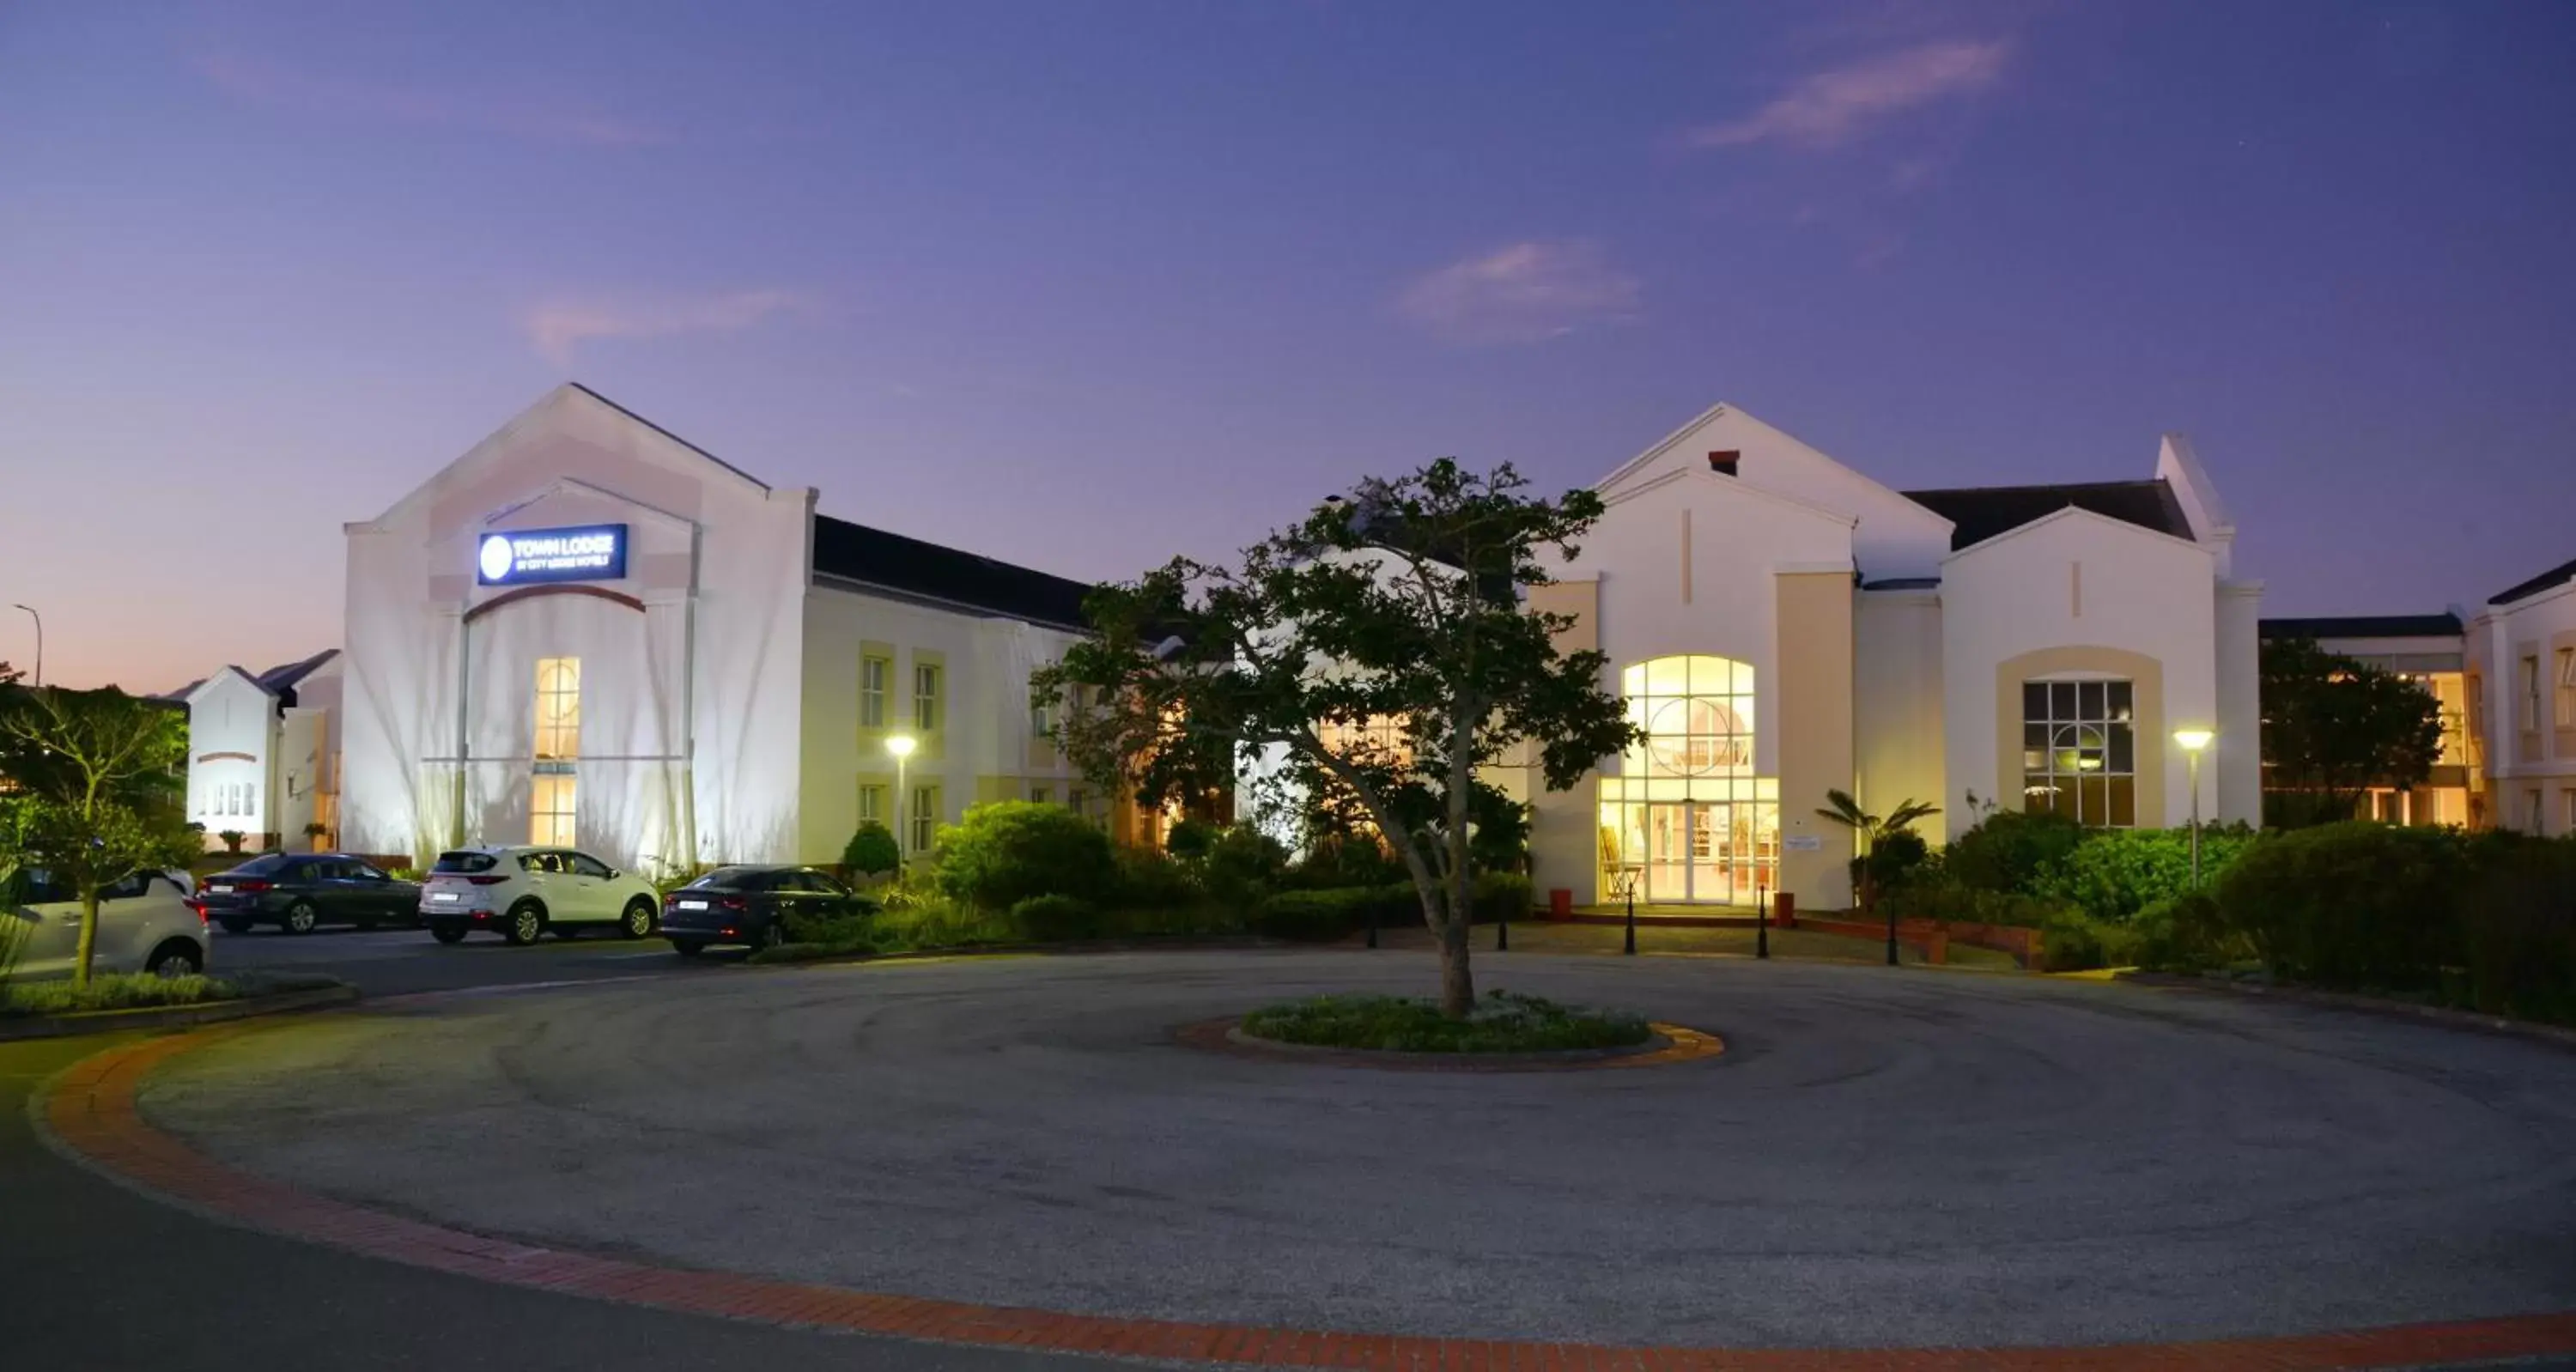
{"type": "Point", "coordinates": [925, 817]}
{"type": "Point", "coordinates": [2079, 751]}
{"type": "Point", "coordinates": [1041, 793]}
{"type": "Point", "coordinates": [550, 810]}
{"type": "Point", "coordinates": [1704, 841]}
{"type": "Point", "coordinates": [872, 800]}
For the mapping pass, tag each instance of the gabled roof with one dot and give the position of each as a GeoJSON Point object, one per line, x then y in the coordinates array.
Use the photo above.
{"type": "Point", "coordinates": [2563, 572]}
{"type": "Point", "coordinates": [2363, 626]}
{"type": "Point", "coordinates": [908, 566]}
{"type": "Point", "coordinates": [283, 677]}
{"type": "Point", "coordinates": [1981, 512]}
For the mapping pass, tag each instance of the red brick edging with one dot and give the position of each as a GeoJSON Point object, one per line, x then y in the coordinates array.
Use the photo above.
{"type": "Point", "coordinates": [90, 1110]}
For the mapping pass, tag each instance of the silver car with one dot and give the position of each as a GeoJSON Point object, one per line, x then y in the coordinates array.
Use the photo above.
{"type": "Point", "coordinates": [524, 893]}
{"type": "Point", "coordinates": [146, 923]}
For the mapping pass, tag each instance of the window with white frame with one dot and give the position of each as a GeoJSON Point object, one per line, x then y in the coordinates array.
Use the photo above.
{"type": "Point", "coordinates": [2530, 694]}
{"type": "Point", "coordinates": [872, 800]}
{"type": "Point", "coordinates": [925, 696]}
{"type": "Point", "coordinates": [550, 810]}
{"type": "Point", "coordinates": [2531, 811]}
{"type": "Point", "coordinates": [2566, 696]}
{"type": "Point", "coordinates": [558, 708]}
{"type": "Point", "coordinates": [2079, 751]}
{"type": "Point", "coordinates": [924, 817]}
{"type": "Point", "coordinates": [874, 677]}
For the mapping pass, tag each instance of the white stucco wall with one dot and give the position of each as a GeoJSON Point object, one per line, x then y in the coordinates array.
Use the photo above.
{"type": "Point", "coordinates": [2238, 788]}
{"type": "Point", "coordinates": [2141, 592]}
{"type": "Point", "coordinates": [689, 706]}
{"type": "Point", "coordinates": [229, 714]}
{"type": "Point", "coordinates": [2522, 760]}
{"type": "Point", "coordinates": [1897, 711]}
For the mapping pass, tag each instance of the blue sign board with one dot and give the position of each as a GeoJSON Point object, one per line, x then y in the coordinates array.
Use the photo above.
{"type": "Point", "coordinates": [521, 557]}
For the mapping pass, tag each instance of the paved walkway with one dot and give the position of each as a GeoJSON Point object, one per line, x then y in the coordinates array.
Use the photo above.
{"type": "Point", "coordinates": [1882, 1158]}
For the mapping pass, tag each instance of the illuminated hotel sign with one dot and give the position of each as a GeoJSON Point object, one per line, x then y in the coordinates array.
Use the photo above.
{"type": "Point", "coordinates": [593, 552]}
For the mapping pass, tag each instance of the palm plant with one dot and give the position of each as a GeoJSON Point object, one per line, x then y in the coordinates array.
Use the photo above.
{"type": "Point", "coordinates": [1870, 829]}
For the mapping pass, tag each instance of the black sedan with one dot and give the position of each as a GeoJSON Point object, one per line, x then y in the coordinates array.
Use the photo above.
{"type": "Point", "coordinates": [299, 892]}
{"type": "Point", "coordinates": [752, 906]}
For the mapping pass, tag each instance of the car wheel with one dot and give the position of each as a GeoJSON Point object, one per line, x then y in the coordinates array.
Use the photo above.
{"type": "Point", "coordinates": [234, 926]}
{"type": "Point", "coordinates": [526, 923]}
{"type": "Point", "coordinates": [772, 935]}
{"type": "Point", "coordinates": [639, 919]}
{"type": "Point", "coordinates": [687, 947]}
{"type": "Point", "coordinates": [177, 958]}
{"type": "Point", "coordinates": [300, 918]}
{"type": "Point", "coordinates": [446, 932]}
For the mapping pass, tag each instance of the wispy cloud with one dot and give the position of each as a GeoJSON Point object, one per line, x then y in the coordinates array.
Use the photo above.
{"type": "Point", "coordinates": [337, 96]}
{"type": "Point", "coordinates": [1833, 107]}
{"type": "Point", "coordinates": [1522, 293]}
{"type": "Point", "coordinates": [559, 327]}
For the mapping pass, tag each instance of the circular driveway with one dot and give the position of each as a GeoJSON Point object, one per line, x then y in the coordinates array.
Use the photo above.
{"type": "Point", "coordinates": [1879, 1158]}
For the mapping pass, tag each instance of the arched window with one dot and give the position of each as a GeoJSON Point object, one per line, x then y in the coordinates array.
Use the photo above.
{"type": "Point", "coordinates": [1687, 819]}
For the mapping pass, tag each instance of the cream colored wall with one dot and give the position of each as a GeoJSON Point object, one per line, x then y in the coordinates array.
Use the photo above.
{"type": "Point", "coordinates": [1896, 702]}
{"type": "Point", "coordinates": [2235, 783]}
{"type": "Point", "coordinates": [1563, 824]}
{"type": "Point", "coordinates": [1814, 703]}
{"type": "Point", "coordinates": [2525, 753]}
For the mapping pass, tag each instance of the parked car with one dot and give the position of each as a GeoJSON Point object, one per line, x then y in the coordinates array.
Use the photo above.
{"type": "Point", "coordinates": [300, 892]}
{"type": "Point", "coordinates": [750, 906]}
{"type": "Point", "coordinates": [145, 924]}
{"type": "Point", "coordinates": [525, 892]}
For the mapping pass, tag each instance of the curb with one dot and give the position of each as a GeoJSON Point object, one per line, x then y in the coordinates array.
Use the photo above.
{"type": "Point", "coordinates": [173, 1016]}
{"type": "Point", "coordinates": [2441, 1015]}
{"type": "Point", "coordinates": [88, 1113]}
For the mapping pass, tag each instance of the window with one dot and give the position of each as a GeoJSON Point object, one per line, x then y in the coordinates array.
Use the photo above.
{"type": "Point", "coordinates": [925, 816]}
{"type": "Point", "coordinates": [1687, 819]}
{"type": "Point", "coordinates": [2079, 751]}
{"type": "Point", "coordinates": [2565, 718]}
{"type": "Point", "coordinates": [2567, 811]}
{"type": "Point", "coordinates": [558, 710]}
{"type": "Point", "coordinates": [2531, 811]}
{"type": "Point", "coordinates": [584, 865]}
{"type": "Point", "coordinates": [2530, 694]}
{"type": "Point", "coordinates": [1041, 793]}
{"type": "Point", "coordinates": [925, 696]}
{"type": "Point", "coordinates": [550, 806]}
{"type": "Point", "coordinates": [1041, 717]}
{"type": "Point", "coordinates": [873, 673]}
{"type": "Point", "coordinates": [1077, 800]}
{"type": "Point", "coordinates": [872, 798]}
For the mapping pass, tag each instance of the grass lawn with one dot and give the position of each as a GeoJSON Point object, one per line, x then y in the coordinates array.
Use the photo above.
{"type": "Point", "coordinates": [1501, 1023]}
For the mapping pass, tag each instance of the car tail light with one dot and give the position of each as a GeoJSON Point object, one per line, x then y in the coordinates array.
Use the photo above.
{"type": "Point", "coordinates": [734, 903]}
{"type": "Point", "coordinates": [250, 887]}
{"type": "Point", "coordinates": [487, 880]}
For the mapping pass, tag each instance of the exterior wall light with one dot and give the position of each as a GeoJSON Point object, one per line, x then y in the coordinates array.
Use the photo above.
{"type": "Point", "coordinates": [2194, 742]}
{"type": "Point", "coordinates": [901, 745]}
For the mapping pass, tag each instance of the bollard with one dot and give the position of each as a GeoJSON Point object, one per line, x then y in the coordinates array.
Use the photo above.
{"type": "Point", "coordinates": [1631, 949]}
{"type": "Point", "coordinates": [1761, 924]}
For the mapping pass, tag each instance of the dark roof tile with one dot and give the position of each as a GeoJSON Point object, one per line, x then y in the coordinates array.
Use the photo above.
{"type": "Point", "coordinates": [2363, 626]}
{"type": "Point", "coordinates": [2563, 572]}
{"type": "Point", "coordinates": [908, 566]}
{"type": "Point", "coordinates": [1981, 512]}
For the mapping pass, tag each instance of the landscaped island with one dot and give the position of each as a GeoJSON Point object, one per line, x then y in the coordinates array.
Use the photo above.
{"type": "Point", "coordinates": [1502, 1022]}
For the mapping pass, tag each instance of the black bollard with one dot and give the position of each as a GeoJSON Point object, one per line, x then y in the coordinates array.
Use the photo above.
{"type": "Point", "coordinates": [1631, 949]}
{"type": "Point", "coordinates": [1761, 923]}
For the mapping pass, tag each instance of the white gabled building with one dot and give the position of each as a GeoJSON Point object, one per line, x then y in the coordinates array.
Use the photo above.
{"type": "Point", "coordinates": [586, 631]}
{"type": "Point", "coordinates": [1783, 626]}
{"type": "Point", "coordinates": [262, 752]}
{"type": "Point", "coordinates": [2522, 694]}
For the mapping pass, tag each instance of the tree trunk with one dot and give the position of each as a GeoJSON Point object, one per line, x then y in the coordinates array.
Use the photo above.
{"type": "Point", "coordinates": [1457, 981]}
{"type": "Point", "coordinates": [88, 937]}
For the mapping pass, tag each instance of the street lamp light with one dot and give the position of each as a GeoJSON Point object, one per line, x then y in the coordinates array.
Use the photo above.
{"type": "Point", "coordinates": [901, 745]}
{"type": "Point", "coordinates": [2194, 742]}
{"type": "Point", "coordinates": [40, 641]}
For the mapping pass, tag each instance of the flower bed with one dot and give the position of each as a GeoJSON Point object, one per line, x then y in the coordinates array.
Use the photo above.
{"type": "Point", "coordinates": [1502, 1022]}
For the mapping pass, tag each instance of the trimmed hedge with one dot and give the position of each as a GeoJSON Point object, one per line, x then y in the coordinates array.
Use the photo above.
{"type": "Point", "coordinates": [1337, 912]}
{"type": "Point", "coordinates": [2354, 905]}
{"type": "Point", "coordinates": [1058, 919]}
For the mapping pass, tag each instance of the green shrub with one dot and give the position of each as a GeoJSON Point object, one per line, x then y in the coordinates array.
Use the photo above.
{"type": "Point", "coordinates": [2072, 941]}
{"type": "Point", "coordinates": [1500, 842]}
{"type": "Point", "coordinates": [1502, 1022]}
{"type": "Point", "coordinates": [1335, 912]}
{"type": "Point", "coordinates": [1005, 852]}
{"type": "Point", "coordinates": [2186, 933]}
{"type": "Point", "coordinates": [112, 991]}
{"type": "Point", "coordinates": [1499, 895]}
{"type": "Point", "coordinates": [2006, 850]}
{"type": "Point", "coordinates": [1189, 838]}
{"type": "Point", "coordinates": [1948, 902]}
{"type": "Point", "coordinates": [851, 929]}
{"type": "Point", "coordinates": [2115, 873]}
{"type": "Point", "coordinates": [1338, 860]}
{"type": "Point", "coordinates": [2353, 905]}
{"type": "Point", "coordinates": [1892, 860]}
{"type": "Point", "coordinates": [920, 921]}
{"type": "Point", "coordinates": [1241, 865]}
{"type": "Point", "coordinates": [1148, 880]}
{"type": "Point", "coordinates": [2518, 928]}
{"type": "Point", "coordinates": [871, 850]}
{"type": "Point", "coordinates": [1058, 919]}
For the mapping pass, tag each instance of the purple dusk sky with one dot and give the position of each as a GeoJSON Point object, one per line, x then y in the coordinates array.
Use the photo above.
{"type": "Point", "coordinates": [1085, 284]}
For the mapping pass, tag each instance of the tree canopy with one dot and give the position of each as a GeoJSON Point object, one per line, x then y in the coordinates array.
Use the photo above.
{"type": "Point", "coordinates": [2334, 727]}
{"type": "Point", "coordinates": [1369, 660]}
{"type": "Point", "coordinates": [95, 779]}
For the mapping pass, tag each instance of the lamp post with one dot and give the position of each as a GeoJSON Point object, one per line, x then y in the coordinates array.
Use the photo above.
{"type": "Point", "coordinates": [901, 745]}
{"type": "Point", "coordinates": [40, 641]}
{"type": "Point", "coordinates": [2194, 742]}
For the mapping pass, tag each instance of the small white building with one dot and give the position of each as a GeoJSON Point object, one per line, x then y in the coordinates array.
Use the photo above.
{"type": "Point", "coordinates": [262, 752]}
{"type": "Point", "coordinates": [1783, 625]}
{"type": "Point", "coordinates": [2522, 693]}
{"type": "Point", "coordinates": [589, 631]}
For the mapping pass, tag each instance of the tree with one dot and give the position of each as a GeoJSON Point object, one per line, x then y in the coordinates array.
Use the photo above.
{"type": "Point", "coordinates": [871, 850]}
{"type": "Point", "coordinates": [1372, 658]}
{"type": "Point", "coordinates": [99, 778]}
{"type": "Point", "coordinates": [1872, 830]}
{"type": "Point", "coordinates": [2334, 727]}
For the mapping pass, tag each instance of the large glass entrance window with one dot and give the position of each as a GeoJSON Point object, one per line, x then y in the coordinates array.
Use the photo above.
{"type": "Point", "coordinates": [1686, 819]}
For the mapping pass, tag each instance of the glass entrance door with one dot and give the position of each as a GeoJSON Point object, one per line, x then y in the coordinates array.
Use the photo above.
{"type": "Point", "coordinates": [1691, 852]}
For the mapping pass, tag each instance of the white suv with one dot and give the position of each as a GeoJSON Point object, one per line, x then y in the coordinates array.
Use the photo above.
{"type": "Point", "coordinates": [146, 923]}
{"type": "Point", "coordinates": [524, 892]}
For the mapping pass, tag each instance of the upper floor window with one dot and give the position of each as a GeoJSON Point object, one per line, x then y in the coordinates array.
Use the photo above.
{"type": "Point", "coordinates": [2531, 693]}
{"type": "Point", "coordinates": [1697, 713]}
{"type": "Point", "coordinates": [2079, 751]}
{"type": "Point", "coordinates": [558, 708]}
{"type": "Point", "coordinates": [873, 674]}
{"type": "Point", "coordinates": [925, 696]}
{"type": "Point", "coordinates": [2566, 705]}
